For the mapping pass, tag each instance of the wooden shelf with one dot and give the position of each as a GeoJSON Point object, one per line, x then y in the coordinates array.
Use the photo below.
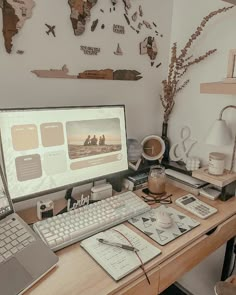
{"type": "Point", "coordinates": [221, 180]}
{"type": "Point", "coordinates": [218, 88]}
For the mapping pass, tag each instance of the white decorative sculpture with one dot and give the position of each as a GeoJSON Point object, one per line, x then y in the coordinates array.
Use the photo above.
{"type": "Point", "coordinates": [181, 146]}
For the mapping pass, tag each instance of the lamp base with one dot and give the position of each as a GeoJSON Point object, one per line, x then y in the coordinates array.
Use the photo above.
{"type": "Point", "coordinates": [228, 191]}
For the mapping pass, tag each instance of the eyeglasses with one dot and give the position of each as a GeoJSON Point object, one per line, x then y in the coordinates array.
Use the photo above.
{"type": "Point", "coordinates": [166, 199]}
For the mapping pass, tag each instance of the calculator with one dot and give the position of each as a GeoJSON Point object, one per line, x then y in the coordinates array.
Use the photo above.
{"type": "Point", "coordinates": [195, 206]}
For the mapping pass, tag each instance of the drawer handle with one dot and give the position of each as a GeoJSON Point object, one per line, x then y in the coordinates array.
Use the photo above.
{"type": "Point", "coordinates": [211, 231]}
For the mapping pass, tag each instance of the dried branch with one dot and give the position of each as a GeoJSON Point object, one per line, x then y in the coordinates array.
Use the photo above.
{"type": "Point", "coordinates": [179, 65]}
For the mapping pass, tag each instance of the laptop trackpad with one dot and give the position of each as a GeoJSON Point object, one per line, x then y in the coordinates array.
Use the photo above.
{"type": "Point", "coordinates": [14, 278]}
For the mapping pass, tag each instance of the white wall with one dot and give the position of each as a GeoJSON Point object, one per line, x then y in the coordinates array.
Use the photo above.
{"type": "Point", "coordinates": [20, 88]}
{"type": "Point", "coordinates": [198, 111]}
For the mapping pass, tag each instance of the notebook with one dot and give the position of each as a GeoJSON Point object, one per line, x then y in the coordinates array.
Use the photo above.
{"type": "Point", "coordinates": [118, 262]}
{"type": "Point", "coordinates": [24, 258]}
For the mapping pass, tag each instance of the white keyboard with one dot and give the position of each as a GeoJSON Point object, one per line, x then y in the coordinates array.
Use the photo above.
{"type": "Point", "coordinates": [184, 178]}
{"type": "Point", "coordinates": [70, 227]}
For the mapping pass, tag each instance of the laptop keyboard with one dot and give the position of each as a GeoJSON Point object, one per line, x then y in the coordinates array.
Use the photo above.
{"type": "Point", "coordinates": [13, 238]}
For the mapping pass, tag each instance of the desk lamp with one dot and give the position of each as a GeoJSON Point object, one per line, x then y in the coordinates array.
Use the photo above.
{"type": "Point", "coordinates": [219, 134]}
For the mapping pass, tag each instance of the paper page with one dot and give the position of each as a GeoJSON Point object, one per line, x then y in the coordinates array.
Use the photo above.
{"type": "Point", "coordinates": [117, 261]}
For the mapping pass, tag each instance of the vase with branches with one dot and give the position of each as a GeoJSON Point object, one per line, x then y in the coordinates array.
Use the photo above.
{"type": "Point", "coordinates": [178, 66]}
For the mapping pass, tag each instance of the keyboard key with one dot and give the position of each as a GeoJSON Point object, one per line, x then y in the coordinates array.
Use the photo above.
{"type": "Point", "coordinates": [7, 254]}
{"type": "Point", "coordinates": [3, 250]}
{"type": "Point", "coordinates": [1, 259]}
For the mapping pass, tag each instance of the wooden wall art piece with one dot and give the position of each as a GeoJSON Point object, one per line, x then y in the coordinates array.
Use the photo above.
{"type": "Point", "coordinates": [14, 14]}
{"type": "Point", "coordinates": [54, 73]}
{"type": "Point", "coordinates": [135, 21]}
{"type": "Point", "coordinates": [90, 50]}
{"type": "Point", "coordinates": [80, 14]}
{"type": "Point", "coordinates": [140, 9]}
{"type": "Point", "coordinates": [148, 46]}
{"type": "Point", "coordinates": [134, 16]}
{"type": "Point", "coordinates": [118, 50]}
{"type": "Point", "coordinates": [114, 2]}
{"type": "Point", "coordinates": [94, 25]}
{"type": "Point", "coordinates": [118, 29]}
{"type": "Point", "coordinates": [51, 30]}
{"type": "Point", "coordinates": [147, 24]}
{"type": "Point", "coordinates": [127, 19]}
{"type": "Point", "coordinates": [20, 51]}
{"type": "Point", "coordinates": [140, 26]}
{"type": "Point", "coordinates": [127, 4]}
{"type": "Point", "coordinates": [133, 28]}
{"type": "Point", "coordinates": [107, 74]}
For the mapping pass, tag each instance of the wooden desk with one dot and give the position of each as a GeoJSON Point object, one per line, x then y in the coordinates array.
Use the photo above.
{"type": "Point", "coordinates": [78, 274]}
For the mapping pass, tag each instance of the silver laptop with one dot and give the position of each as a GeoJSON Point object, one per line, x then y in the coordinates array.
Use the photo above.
{"type": "Point", "coordinates": [24, 258]}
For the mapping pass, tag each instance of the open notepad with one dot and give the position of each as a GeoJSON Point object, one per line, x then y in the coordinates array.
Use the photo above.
{"type": "Point", "coordinates": [116, 261]}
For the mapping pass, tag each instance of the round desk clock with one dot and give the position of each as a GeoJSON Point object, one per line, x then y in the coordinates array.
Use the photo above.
{"type": "Point", "coordinates": [153, 147]}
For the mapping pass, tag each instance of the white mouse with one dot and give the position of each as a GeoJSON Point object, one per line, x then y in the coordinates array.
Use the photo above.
{"type": "Point", "coordinates": [163, 219]}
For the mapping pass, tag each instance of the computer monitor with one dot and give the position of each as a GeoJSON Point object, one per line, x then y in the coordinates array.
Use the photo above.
{"type": "Point", "coordinates": [50, 149]}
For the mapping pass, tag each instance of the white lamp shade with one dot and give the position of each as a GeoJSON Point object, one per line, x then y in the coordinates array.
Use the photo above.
{"type": "Point", "coordinates": [219, 134]}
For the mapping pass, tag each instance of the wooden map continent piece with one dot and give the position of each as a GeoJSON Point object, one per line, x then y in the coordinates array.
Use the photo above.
{"type": "Point", "coordinates": [15, 13]}
{"type": "Point", "coordinates": [80, 14]}
{"type": "Point", "coordinates": [109, 74]}
{"type": "Point", "coordinates": [9, 25]}
{"type": "Point", "coordinates": [54, 73]}
{"type": "Point", "coordinates": [148, 46]}
{"type": "Point", "coordinates": [127, 4]}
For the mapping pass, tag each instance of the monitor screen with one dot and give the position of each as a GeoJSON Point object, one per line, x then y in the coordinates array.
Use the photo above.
{"type": "Point", "coordinates": [49, 149]}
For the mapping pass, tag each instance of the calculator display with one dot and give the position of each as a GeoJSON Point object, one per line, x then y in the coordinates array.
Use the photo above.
{"type": "Point", "coordinates": [188, 201]}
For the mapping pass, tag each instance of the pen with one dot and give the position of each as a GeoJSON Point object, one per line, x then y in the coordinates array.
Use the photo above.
{"type": "Point", "coordinates": [126, 247]}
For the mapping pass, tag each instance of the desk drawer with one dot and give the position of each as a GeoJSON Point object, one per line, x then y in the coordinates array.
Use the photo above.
{"type": "Point", "coordinates": [173, 268]}
{"type": "Point", "coordinates": [140, 286]}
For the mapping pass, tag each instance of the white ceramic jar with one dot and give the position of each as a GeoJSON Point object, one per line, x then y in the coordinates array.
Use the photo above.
{"type": "Point", "coordinates": [216, 163]}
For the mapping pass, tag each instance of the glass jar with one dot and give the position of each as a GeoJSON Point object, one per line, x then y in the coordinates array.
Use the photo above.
{"type": "Point", "coordinates": [216, 163]}
{"type": "Point", "coordinates": [157, 180]}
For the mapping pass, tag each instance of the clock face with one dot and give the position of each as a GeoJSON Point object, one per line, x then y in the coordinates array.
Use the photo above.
{"type": "Point", "coordinates": [153, 147]}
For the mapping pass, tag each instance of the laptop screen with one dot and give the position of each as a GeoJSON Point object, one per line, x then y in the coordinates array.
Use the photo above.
{"type": "Point", "coordinates": [5, 202]}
